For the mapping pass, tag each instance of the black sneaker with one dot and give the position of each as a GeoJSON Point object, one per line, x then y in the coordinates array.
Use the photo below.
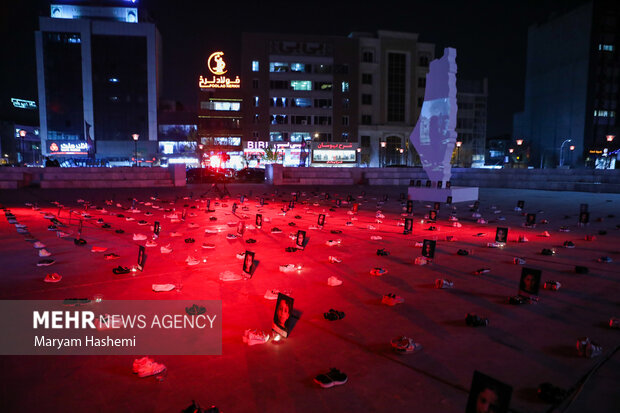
{"type": "Point", "coordinates": [336, 231]}
{"type": "Point", "coordinates": [121, 270]}
{"type": "Point", "coordinates": [324, 381]}
{"type": "Point", "coordinates": [569, 244]}
{"type": "Point", "coordinates": [462, 252]}
{"type": "Point", "coordinates": [79, 242]}
{"type": "Point", "coordinates": [337, 376]}
{"type": "Point", "coordinates": [290, 249]}
{"type": "Point", "coordinates": [382, 252]}
{"type": "Point", "coordinates": [189, 240]}
{"type": "Point", "coordinates": [106, 226]}
{"type": "Point", "coordinates": [119, 231]}
{"type": "Point", "coordinates": [547, 251]}
{"type": "Point", "coordinates": [250, 241]}
{"type": "Point", "coordinates": [517, 300]}
{"type": "Point", "coordinates": [473, 320]}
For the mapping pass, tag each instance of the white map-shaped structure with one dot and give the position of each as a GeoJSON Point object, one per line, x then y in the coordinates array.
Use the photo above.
{"type": "Point", "coordinates": [434, 136]}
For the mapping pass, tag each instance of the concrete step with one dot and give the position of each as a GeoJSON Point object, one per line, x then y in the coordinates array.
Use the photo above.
{"type": "Point", "coordinates": [4, 184]}
{"type": "Point", "coordinates": [104, 183]}
{"type": "Point", "coordinates": [49, 176]}
{"type": "Point", "coordinates": [326, 181]}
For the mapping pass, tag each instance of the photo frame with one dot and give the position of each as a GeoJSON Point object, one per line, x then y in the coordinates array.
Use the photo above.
{"type": "Point", "coordinates": [429, 184]}
{"type": "Point", "coordinates": [584, 218]}
{"type": "Point", "coordinates": [184, 214]}
{"type": "Point", "coordinates": [156, 228]}
{"type": "Point", "coordinates": [412, 182]}
{"type": "Point", "coordinates": [408, 226]}
{"type": "Point", "coordinates": [428, 248]}
{"type": "Point", "coordinates": [432, 215]}
{"type": "Point", "coordinates": [521, 204]}
{"type": "Point", "coordinates": [529, 284]}
{"type": "Point", "coordinates": [437, 206]}
{"type": "Point", "coordinates": [282, 315]}
{"type": "Point", "coordinates": [141, 257]}
{"type": "Point", "coordinates": [262, 201]}
{"type": "Point", "coordinates": [301, 238]}
{"type": "Point", "coordinates": [248, 262]}
{"type": "Point", "coordinates": [448, 184]}
{"type": "Point", "coordinates": [488, 395]}
{"type": "Point", "coordinates": [349, 198]}
{"type": "Point", "coordinates": [356, 207]}
{"type": "Point", "coordinates": [234, 207]}
{"type": "Point", "coordinates": [321, 220]}
{"type": "Point", "coordinates": [338, 202]}
{"type": "Point", "coordinates": [530, 220]}
{"type": "Point", "coordinates": [240, 228]}
{"type": "Point", "coordinates": [259, 220]}
{"type": "Point", "coordinates": [449, 200]}
{"type": "Point", "coordinates": [439, 184]}
{"type": "Point", "coordinates": [418, 183]}
{"type": "Point", "coordinates": [501, 235]}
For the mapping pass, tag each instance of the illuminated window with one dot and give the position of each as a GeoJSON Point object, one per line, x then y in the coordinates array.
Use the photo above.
{"type": "Point", "coordinates": [606, 47]}
{"type": "Point", "coordinates": [324, 86]}
{"type": "Point", "coordinates": [254, 65]}
{"type": "Point", "coordinates": [278, 136]}
{"type": "Point", "coordinates": [221, 105]}
{"type": "Point", "coordinates": [301, 102]}
{"type": "Point", "coordinates": [278, 67]}
{"type": "Point", "coordinates": [345, 86]}
{"type": "Point", "coordinates": [298, 67]}
{"type": "Point", "coordinates": [256, 118]}
{"type": "Point", "coordinates": [255, 101]}
{"type": "Point", "coordinates": [605, 113]}
{"type": "Point", "coordinates": [301, 84]}
{"type": "Point", "coordinates": [299, 136]}
{"type": "Point", "coordinates": [279, 119]}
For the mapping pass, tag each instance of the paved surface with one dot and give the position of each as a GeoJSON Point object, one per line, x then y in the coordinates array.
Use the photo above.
{"type": "Point", "coordinates": [523, 345]}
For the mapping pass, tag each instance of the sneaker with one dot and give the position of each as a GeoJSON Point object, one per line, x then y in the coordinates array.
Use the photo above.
{"type": "Point", "coordinates": [331, 243]}
{"type": "Point", "coordinates": [442, 283]}
{"type": "Point", "coordinates": [166, 249]}
{"type": "Point", "coordinates": [289, 267]}
{"type": "Point", "coordinates": [163, 287]}
{"type": "Point", "coordinates": [151, 243]}
{"type": "Point", "coordinates": [518, 261]}
{"type": "Point", "coordinates": [376, 238]}
{"type": "Point", "coordinates": [121, 270]}
{"type": "Point", "coordinates": [272, 294]}
{"type": "Point", "coordinates": [333, 315]}
{"type": "Point", "coordinates": [569, 244]}
{"type": "Point", "coordinates": [382, 252]}
{"type": "Point", "coordinates": [614, 322]}
{"type": "Point", "coordinates": [208, 246]}
{"type": "Point", "coordinates": [473, 320]}
{"type": "Point", "coordinates": [552, 285]}
{"type": "Point", "coordinates": [545, 234]}
{"type": "Point", "coordinates": [378, 271]}
{"type": "Point", "coordinates": [252, 337]}
{"type": "Point", "coordinates": [482, 221]}
{"type": "Point", "coordinates": [517, 300]}
{"type": "Point", "coordinates": [604, 259]}
{"type": "Point", "coordinates": [392, 299]}
{"type": "Point", "coordinates": [523, 238]}
{"type": "Point", "coordinates": [334, 260]}
{"type": "Point", "coordinates": [52, 278]}
{"type": "Point", "coordinates": [421, 261]}
{"type": "Point", "coordinates": [334, 281]}
{"type": "Point", "coordinates": [564, 229]}
{"type": "Point", "coordinates": [44, 253]}
{"type": "Point", "coordinates": [175, 234]}
{"type": "Point", "coordinates": [191, 260]}
{"type": "Point", "coordinates": [276, 230]}
{"type": "Point", "coordinates": [110, 256]}
{"type": "Point", "coordinates": [211, 231]}
{"type": "Point", "coordinates": [587, 348]}
{"type": "Point", "coordinates": [150, 368]}
{"type": "Point", "coordinates": [590, 238]}
{"type": "Point", "coordinates": [38, 244]}
{"type": "Point", "coordinates": [139, 237]}
{"type": "Point", "coordinates": [547, 251]}
{"type": "Point", "coordinates": [405, 345]}
{"type": "Point", "coordinates": [462, 252]}
{"type": "Point", "coordinates": [45, 263]}
{"type": "Point", "coordinates": [481, 271]}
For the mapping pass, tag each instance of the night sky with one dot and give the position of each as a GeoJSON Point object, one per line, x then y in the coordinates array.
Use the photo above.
{"type": "Point", "coordinates": [490, 38]}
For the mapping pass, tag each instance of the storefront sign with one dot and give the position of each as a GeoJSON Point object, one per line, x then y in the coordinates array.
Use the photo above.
{"type": "Point", "coordinates": [23, 103]}
{"type": "Point", "coordinates": [334, 152]}
{"type": "Point", "coordinates": [217, 66]}
{"type": "Point", "coordinates": [67, 148]}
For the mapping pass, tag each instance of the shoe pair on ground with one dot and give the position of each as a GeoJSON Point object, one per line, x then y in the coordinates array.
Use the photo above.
{"type": "Point", "coordinates": [392, 299]}
{"type": "Point", "coordinates": [405, 345]}
{"type": "Point", "coordinates": [587, 348]}
{"type": "Point", "coordinates": [146, 366]}
{"type": "Point", "coordinates": [443, 283]}
{"type": "Point", "coordinates": [382, 252]}
{"type": "Point", "coordinates": [333, 377]}
{"type": "Point", "coordinates": [378, 271]}
{"type": "Point", "coordinates": [252, 337]}
{"type": "Point", "coordinates": [333, 315]}
{"type": "Point", "coordinates": [473, 320]}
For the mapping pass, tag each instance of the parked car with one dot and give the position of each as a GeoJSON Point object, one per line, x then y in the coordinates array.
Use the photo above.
{"type": "Point", "coordinates": [205, 175]}
{"type": "Point", "coordinates": [251, 175]}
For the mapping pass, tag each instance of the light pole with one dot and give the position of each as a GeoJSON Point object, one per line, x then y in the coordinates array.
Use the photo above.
{"type": "Point", "coordinates": [359, 156]}
{"type": "Point", "coordinates": [562, 151]}
{"type": "Point", "coordinates": [382, 153]}
{"type": "Point", "coordinates": [22, 135]}
{"type": "Point", "coordinates": [458, 152]}
{"type": "Point", "coordinates": [135, 137]}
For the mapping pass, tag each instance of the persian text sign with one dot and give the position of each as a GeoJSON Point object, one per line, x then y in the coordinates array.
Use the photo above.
{"type": "Point", "coordinates": [83, 327]}
{"type": "Point", "coordinates": [217, 66]}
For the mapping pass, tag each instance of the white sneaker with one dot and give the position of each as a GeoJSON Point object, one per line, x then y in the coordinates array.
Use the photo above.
{"type": "Point", "coordinates": [272, 294]}
{"type": "Point", "coordinates": [175, 234]}
{"type": "Point", "coordinates": [331, 243]}
{"type": "Point", "coordinates": [44, 253]}
{"type": "Point", "coordinates": [252, 337]}
{"type": "Point", "coordinates": [231, 236]}
{"type": "Point", "coordinates": [151, 243]}
{"type": "Point", "coordinates": [333, 281]}
{"type": "Point", "coordinates": [288, 268]}
{"type": "Point", "coordinates": [241, 255]}
{"type": "Point", "coordinates": [230, 276]}
{"type": "Point", "coordinates": [191, 260]}
{"type": "Point", "coordinates": [334, 260]}
{"type": "Point", "coordinates": [371, 227]}
{"type": "Point", "coordinates": [38, 244]}
{"type": "Point", "coordinates": [167, 249]}
{"type": "Point", "coordinates": [457, 224]}
{"type": "Point", "coordinates": [210, 231]}
{"type": "Point", "coordinates": [139, 237]}
{"type": "Point", "coordinates": [375, 237]}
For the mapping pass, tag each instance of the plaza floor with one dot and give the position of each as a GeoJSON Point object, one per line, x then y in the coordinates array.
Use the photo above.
{"type": "Point", "coordinates": [522, 346]}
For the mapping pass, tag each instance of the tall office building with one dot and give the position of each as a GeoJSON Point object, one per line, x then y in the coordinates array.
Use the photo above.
{"type": "Point", "coordinates": [471, 121]}
{"type": "Point", "coordinates": [572, 87]}
{"type": "Point", "coordinates": [392, 80]}
{"type": "Point", "coordinates": [98, 78]}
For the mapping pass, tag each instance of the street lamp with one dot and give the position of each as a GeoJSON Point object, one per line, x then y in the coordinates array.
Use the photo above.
{"type": "Point", "coordinates": [610, 138]}
{"type": "Point", "coordinates": [511, 150]}
{"type": "Point", "coordinates": [135, 137]}
{"type": "Point", "coordinates": [359, 156]}
{"type": "Point", "coordinates": [458, 152]}
{"type": "Point", "coordinates": [562, 151]}
{"type": "Point", "coordinates": [519, 142]}
{"type": "Point", "coordinates": [382, 154]}
{"type": "Point", "coordinates": [22, 135]}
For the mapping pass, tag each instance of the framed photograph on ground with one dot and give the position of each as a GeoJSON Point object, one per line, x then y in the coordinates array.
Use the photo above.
{"type": "Point", "coordinates": [338, 202]}
{"type": "Point", "coordinates": [408, 226]}
{"type": "Point", "coordinates": [520, 204]}
{"type": "Point", "coordinates": [488, 395]}
{"type": "Point", "coordinates": [291, 204]}
{"type": "Point", "coordinates": [301, 238]}
{"type": "Point", "coordinates": [248, 262]}
{"type": "Point", "coordinates": [428, 248]}
{"type": "Point", "coordinates": [262, 201]}
{"type": "Point", "coordinates": [429, 184]}
{"type": "Point", "coordinates": [240, 228]}
{"type": "Point", "coordinates": [584, 218]}
{"type": "Point", "coordinates": [530, 220]}
{"type": "Point", "coordinates": [349, 198]}
{"type": "Point", "coordinates": [436, 206]}
{"type": "Point", "coordinates": [432, 215]}
{"type": "Point", "coordinates": [184, 214]}
{"type": "Point", "coordinates": [295, 197]}
{"type": "Point", "coordinates": [530, 282]}
{"type": "Point", "coordinates": [141, 257]}
{"type": "Point", "coordinates": [501, 235]}
{"type": "Point", "coordinates": [234, 207]}
{"type": "Point", "coordinates": [242, 199]}
{"type": "Point", "coordinates": [448, 184]}
{"type": "Point", "coordinates": [439, 184]}
{"type": "Point", "coordinates": [259, 221]}
{"type": "Point", "coordinates": [282, 315]}
{"type": "Point", "coordinates": [356, 207]}
{"type": "Point", "coordinates": [321, 220]}
{"type": "Point", "coordinates": [410, 207]}
{"type": "Point", "coordinates": [156, 228]}
{"type": "Point", "coordinates": [208, 204]}
{"type": "Point", "coordinates": [412, 182]}
{"type": "Point", "coordinates": [449, 200]}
